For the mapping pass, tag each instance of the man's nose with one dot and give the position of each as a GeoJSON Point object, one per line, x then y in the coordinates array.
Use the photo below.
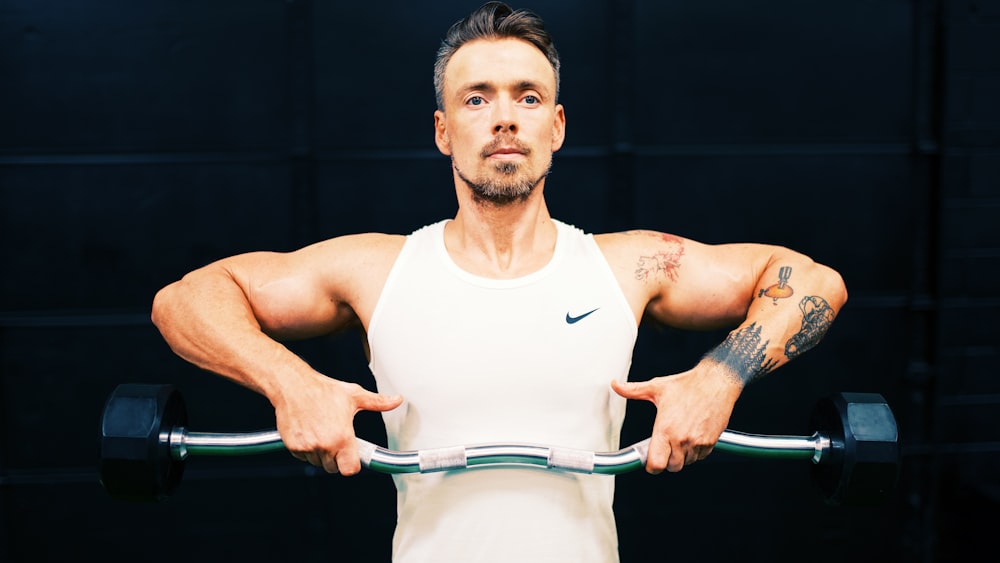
{"type": "Point", "coordinates": [504, 120]}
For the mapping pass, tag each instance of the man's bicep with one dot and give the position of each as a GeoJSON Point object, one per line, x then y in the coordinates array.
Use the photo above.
{"type": "Point", "coordinates": [713, 287]}
{"type": "Point", "coordinates": [290, 294]}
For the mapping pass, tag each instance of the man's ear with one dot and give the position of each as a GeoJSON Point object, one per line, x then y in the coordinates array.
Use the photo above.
{"type": "Point", "coordinates": [558, 128]}
{"type": "Point", "coordinates": [441, 133]}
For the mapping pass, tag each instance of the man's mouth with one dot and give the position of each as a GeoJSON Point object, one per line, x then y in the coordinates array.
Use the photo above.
{"type": "Point", "coordinates": [506, 153]}
{"type": "Point", "coordinates": [505, 148]}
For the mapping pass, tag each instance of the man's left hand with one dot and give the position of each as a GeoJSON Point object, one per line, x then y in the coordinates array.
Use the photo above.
{"type": "Point", "coordinates": [692, 411]}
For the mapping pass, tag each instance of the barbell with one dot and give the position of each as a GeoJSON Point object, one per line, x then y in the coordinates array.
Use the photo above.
{"type": "Point", "coordinates": [145, 445]}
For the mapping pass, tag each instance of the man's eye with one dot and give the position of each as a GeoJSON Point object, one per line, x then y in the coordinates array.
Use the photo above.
{"type": "Point", "coordinates": [475, 101]}
{"type": "Point", "coordinates": [531, 99]}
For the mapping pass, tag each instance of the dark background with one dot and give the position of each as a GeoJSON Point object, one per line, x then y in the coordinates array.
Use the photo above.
{"type": "Point", "coordinates": [140, 140]}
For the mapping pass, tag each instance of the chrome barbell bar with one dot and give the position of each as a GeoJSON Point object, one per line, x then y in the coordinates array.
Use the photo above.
{"type": "Point", "coordinates": [183, 443]}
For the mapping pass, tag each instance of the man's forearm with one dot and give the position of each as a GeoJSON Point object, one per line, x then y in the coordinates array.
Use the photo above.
{"type": "Point", "coordinates": [791, 311]}
{"type": "Point", "coordinates": [206, 320]}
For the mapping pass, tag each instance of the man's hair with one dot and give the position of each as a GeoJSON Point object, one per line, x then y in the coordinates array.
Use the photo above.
{"type": "Point", "coordinates": [493, 20]}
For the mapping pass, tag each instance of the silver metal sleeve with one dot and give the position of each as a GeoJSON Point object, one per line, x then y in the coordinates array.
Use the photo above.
{"type": "Point", "coordinates": [183, 443]}
{"type": "Point", "coordinates": [783, 447]}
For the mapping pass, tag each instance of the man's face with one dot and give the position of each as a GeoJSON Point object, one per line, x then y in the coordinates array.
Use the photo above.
{"type": "Point", "coordinates": [501, 123]}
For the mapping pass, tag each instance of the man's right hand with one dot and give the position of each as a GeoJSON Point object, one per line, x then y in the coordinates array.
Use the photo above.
{"type": "Point", "coordinates": [316, 422]}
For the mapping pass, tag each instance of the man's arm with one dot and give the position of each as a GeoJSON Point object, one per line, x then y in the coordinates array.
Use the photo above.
{"type": "Point", "coordinates": [778, 302]}
{"type": "Point", "coordinates": [229, 316]}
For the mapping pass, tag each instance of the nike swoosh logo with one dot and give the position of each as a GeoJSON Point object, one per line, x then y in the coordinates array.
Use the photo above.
{"type": "Point", "coordinates": [571, 320]}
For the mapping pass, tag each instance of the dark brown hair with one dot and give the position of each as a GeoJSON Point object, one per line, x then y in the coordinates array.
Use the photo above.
{"type": "Point", "coordinates": [493, 20]}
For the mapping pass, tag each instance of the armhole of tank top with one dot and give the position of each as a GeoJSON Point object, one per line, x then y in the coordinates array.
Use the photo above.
{"type": "Point", "coordinates": [609, 274]}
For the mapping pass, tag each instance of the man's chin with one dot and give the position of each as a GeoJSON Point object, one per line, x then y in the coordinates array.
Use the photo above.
{"type": "Point", "coordinates": [508, 185]}
{"type": "Point", "coordinates": [500, 198]}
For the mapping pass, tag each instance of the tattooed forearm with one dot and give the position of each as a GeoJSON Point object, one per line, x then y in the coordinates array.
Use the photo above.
{"type": "Point", "coordinates": [666, 261]}
{"type": "Point", "coordinates": [817, 315]}
{"type": "Point", "coordinates": [744, 353]}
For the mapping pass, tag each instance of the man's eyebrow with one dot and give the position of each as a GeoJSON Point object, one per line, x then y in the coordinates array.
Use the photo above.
{"type": "Point", "coordinates": [478, 86]}
{"type": "Point", "coordinates": [529, 85]}
{"type": "Point", "coordinates": [490, 87]}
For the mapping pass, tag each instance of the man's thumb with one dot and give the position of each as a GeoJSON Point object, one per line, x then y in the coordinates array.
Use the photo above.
{"type": "Point", "coordinates": [632, 389]}
{"type": "Point", "coordinates": [377, 402]}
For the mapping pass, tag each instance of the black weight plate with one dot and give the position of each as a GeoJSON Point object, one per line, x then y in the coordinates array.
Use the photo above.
{"type": "Point", "coordinates": [136, 464]}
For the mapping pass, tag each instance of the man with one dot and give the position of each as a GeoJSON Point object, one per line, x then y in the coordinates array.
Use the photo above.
{"type": "Point", "coordinates": [501, 324]}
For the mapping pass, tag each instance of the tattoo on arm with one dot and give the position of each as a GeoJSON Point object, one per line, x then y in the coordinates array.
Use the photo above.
{"type": "Point", "coordinates": [817, 315]}
{"type": "Point", "coordinates": [664, 262]}
{"type": "Point", "coordinates": [781, 289]}
{"type": "Point", "coordinates": [744, 353]}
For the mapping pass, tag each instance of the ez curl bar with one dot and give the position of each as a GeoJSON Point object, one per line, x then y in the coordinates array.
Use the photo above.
{"type": "Point", "coordinates": [145, 445]}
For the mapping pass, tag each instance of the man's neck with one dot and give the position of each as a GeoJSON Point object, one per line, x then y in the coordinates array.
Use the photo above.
{"type": "Point", "coordinates": [501, 240]}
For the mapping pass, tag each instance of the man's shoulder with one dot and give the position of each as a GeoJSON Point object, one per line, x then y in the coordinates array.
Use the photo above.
{"type": "Point", "coordinates": [358, 253]}
{"type": "Point", "coordinates": [631, 239]}
{"type": "Point", "coordinates": [628, 248]}
{"type": "Point", "coordinates": [354, 267]}
{"type": "Point", "coordinates": [637, 238]}
{"type": "Point", "coordinates": [616, 246]}
{"type": "Point", "coordinates": [365, 242]}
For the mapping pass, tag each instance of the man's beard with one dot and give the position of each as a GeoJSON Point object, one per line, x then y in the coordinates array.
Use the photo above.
{"type": "Point", "coordinates": [508, 186]}
{"type": "Point", "coordinates": [506, 189]}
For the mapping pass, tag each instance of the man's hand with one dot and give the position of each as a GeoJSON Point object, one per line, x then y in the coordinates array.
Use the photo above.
{"type": "Point", "coordinates": [692, 411]}
{"type": "Point", "coordinates": [316, 423]}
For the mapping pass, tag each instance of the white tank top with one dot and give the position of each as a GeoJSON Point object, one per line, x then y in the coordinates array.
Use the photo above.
{"type": "Point", "coordinates": [481, 360]}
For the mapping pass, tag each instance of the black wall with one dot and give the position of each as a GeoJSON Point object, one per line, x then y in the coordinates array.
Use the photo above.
{"type": "Point", "coordinates": [140, 140]}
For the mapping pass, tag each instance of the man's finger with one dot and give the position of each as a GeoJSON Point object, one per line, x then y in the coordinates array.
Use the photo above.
{"type": "Point", "coordinates": [347, 462]}
{"type": "Point", "coordinates": [676, 461]}
{"type": "Point", "coordinates": [658, 454]}
{"type": "Point", "coordinates": [330, 465]}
